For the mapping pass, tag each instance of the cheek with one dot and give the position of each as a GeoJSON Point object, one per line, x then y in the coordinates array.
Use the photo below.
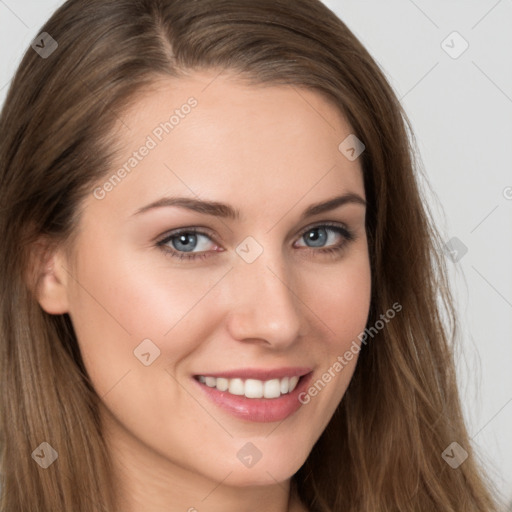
{"type": "Point", "coordinates": [346, 308]}
{"type": "Point", "coordinates": [342, 309]}
{"type": "Point", "coordinates": [340, 297]}
{"type": "Point", "coordinates": [120, 302]}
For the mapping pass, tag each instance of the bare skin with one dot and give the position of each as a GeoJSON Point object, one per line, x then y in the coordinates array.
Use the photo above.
{"type": "Point", "coordinates": [269, 152]}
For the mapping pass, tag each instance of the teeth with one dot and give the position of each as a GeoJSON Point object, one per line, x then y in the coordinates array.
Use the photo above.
{"type": "Point", "coordinates": [236, 386]}
{"type": "Point", "coordinates": [252, 388]}
{"type": "Point", "coordinates": [211, 381]}
{"type": "Point", "coordinates": [222, 384]}
{"type": "Point", "coordinates": [293, 383]}
{"type": "Point", "coordinates": [284, 385]}
{"type": "Point", "coordinates": [272, 388]}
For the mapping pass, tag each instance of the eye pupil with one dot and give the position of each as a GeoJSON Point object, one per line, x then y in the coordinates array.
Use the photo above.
{"type": "Point", "coordinates": [319, 237]}
{"type": "Point", "coordinates": [185, 239]}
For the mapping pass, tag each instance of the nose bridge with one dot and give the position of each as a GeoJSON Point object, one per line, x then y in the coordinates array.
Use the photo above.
{"type": "Point", "coordinates": [264, 304]}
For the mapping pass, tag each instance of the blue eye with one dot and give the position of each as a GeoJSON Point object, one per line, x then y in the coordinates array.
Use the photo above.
{"type": "Point", "coordinates": [319, 235]}
{"type": "Point", "coordinates": [181, 244]}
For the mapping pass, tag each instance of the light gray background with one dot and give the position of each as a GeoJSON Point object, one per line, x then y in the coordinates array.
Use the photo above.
{"type": "Point", "coordinates": [461, 111]}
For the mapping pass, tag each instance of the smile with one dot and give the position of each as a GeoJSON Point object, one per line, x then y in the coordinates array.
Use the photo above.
{"type": "Point", "coordinates": [252, 388]}
{"type": "Point", "coordinates": [256, 395]}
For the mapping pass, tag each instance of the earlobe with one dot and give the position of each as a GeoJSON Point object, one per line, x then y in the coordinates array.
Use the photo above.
{"type": "Point", "coordinates": [51, 279]}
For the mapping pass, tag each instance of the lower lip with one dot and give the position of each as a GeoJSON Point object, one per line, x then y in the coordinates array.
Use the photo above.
{"type": "Point", "coordinates": [264, 410]}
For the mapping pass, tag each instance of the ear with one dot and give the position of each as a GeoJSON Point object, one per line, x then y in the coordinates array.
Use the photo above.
{"type": "Point", "coordinates": [50, 277]}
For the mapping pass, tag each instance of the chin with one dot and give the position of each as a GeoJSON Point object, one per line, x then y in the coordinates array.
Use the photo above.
{"type": "Point", "coordinates": [242, 477]}
{"type": "Point", "coordinates": [276, 468]}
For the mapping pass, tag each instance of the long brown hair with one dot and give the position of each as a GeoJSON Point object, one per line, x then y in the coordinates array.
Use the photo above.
{"type": "Point", "coordinates": [382, 450]}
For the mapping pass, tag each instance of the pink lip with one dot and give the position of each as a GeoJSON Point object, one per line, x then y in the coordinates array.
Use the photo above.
{"type": "Point", "coordinates": [260, 373]}
{"type": "Point", "coordinates": [258, 409]}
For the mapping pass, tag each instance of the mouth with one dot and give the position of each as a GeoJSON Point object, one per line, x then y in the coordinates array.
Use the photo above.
{"type": "Point", "coordinates": [256, 395]}
{"type": "Point", "coordinates": [251, 388]}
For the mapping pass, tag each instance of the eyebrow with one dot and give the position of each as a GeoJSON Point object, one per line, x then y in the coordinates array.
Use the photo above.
{"type": "Point", "coordinates": [228, 212]}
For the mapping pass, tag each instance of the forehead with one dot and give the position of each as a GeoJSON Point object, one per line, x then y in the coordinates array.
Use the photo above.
{"type": "Point", "coordinates": [211, 134]}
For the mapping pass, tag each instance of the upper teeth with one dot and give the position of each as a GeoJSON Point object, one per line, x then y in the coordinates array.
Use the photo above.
{"type": "Point", "coordinates": [252, 388]}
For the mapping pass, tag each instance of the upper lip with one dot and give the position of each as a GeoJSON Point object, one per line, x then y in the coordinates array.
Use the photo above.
{"type": "Point", "coordinates": [262, 374]}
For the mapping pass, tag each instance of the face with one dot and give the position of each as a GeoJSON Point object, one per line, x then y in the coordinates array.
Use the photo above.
{"type": "Point", "coordinates": [207, 295]}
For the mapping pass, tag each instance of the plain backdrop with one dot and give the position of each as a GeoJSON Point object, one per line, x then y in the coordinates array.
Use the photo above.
{"type": "Point", "coordinates": [450, 63]}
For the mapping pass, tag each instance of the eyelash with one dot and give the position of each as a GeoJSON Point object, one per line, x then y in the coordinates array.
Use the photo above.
{"type": "Point", "coordinates": [347, 235]}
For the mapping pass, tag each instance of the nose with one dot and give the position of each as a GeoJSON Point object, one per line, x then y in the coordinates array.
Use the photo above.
{"type": "Point", "coordinates": [265, 305]}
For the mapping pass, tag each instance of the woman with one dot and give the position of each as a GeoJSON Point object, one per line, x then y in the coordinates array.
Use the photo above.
{"type": "Point", "coordinates": [221, 283]}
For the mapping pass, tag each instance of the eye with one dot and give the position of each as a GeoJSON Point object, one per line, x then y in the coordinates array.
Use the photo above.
{"type": "Point", "coordinates": [191, 243]}
{"type": "Point", "coordinates": [182, 244]}
{"type": "Point", "coordinates": [324, 237]}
